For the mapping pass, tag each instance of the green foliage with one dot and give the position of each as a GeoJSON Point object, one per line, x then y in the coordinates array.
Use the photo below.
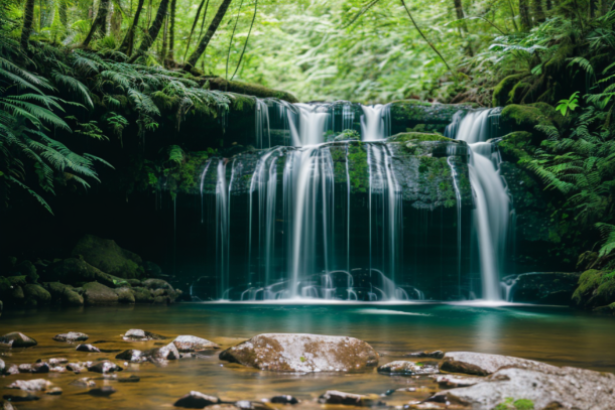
{"type": "Point", "coordinates": [511, 404]}
{"type": "Point", "coordinates": [569, 104]}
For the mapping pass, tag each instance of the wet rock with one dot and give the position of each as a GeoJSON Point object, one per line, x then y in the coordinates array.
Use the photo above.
{"type": "Point", "coordinates": [406, 368]}
{"type": "Point", "coordinates": [107, 256]}
{"type": "Point", "coordinates": [55, 361]}
{"type": "Point", "coordinates": [142, 295]}
{"type": "Point", "coordinates": [349, 399]}
{"type": "Point", "coordinates": [34, 368]}
{"type": "Point", "coordinates": [551, 288]}
{"type": "Point", "coordinates": [449, 381]}
{"type": "Point", "coordinates": [251, 405]}
{"type": "Point", "coordinates": [18, 339]}
{"type": "Point", "coordinates": [16, 398]}
{"type": "Point", "coordinates": [78, 367]}
{"type": "Point", "coordinates": [125, 295]}
{"type": "Point", "coordinates": [36, 295]}
{"type": "Point", "coordinates": [98, 294]}
{"type": "Point", "coordinates": [483, 364]}
{"type": "Point", "coordinates": [54, 391]}
{"type": "Point", "coordinates": [168, 352]}
{"type": "Point", "coordinates": [303, 353]}
{"type": "Point", "coordinates": [187, 343]}
{"type": "Point", "coordinates": [196, 400]}
{"type": "Point", "coordinates": [131, 355]}
{"type": "Point", "coordinates": [436, 354]}
{"type": "Point", "coordinates": [57, 369]}
{"type": "Point", "coordinates": [284, 399]}
{"type": "Point", "coordinates": [71, 337]}
{"type": "Point", "coordinates": [139, 335]}
{"type": "Point", "coordinates": [31, 385]}
{"type": "Point", "coordinates": [76, 271]}
{"type": "Point", "coordinates": [12, 370]}
{"type": "Point", "coordinates": [104, 391]}
{"type": "Point", "coordinates": [84, 382]}
{"type": "Point", "coordinates": [569, 387]}
{"type": "Point", "coordinates": [5, 405]}
{"type": "Point", "coordinates": [161, 288]}
{"type": "Point", "coordinates": [87, 348]}
{"type": "Point", "coordinates": [2, 366]}
{"type": "Point", "coordinates": [104, 366]}
{"type": "Point", "coordinates": [131, 379]}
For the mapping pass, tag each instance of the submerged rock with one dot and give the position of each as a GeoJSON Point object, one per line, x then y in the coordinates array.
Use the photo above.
{"type": "Point", "coordinates": [303, 353]}
{"type": "Point", "coordinates": [71, 337]}
{"type": "Point", "coordinates": [569, 388]}
{"type": "Point", "coordinates": [54, 391]}
{"type": "Point", "coordinates": [130, 379]}
{"type": "Point", "coordinates": [186, 343]}
{"type": "Point", "coordinates": [87, 348]}
{"type": "Point", "coordinates": [285, 399]}
{"type": "Point", "coordinates": [104, 366]}
{"type": "Point", "coordinates": [483, 364]}
{"type": "Point", "coordinates": [406, 368]}
{"type": "Point", "coordinates": [31, 385]}
{"type": "Point", "coordinates": [85, 382]}
{"type": "Point", "coordinates": [139, 335]}
{"type": "Point", "coordinates": [196, 400]}
{"type": "Point", "coordinates": [54, 361]}
{"type": "Point", "coordinates": [104, 391]}
{"type": "Point", "coordinates": [78, 367]}
{"type": "Point", "coordinates": [18, 339]}
{"type": "Point", "coordinates": [349, 399]}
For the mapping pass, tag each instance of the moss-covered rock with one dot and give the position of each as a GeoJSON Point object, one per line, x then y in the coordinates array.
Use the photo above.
{"type": "Point", "coordinates": [517, 145]}
{"type": "Point", "coordinates": [125, 295]}
{"type": "Point", "coordinates": [142, 295]}
{"type": "Point", "coordinates": [257, 90]}
{"type": "Point", "coordinates": [17, 280]}
{"type": "Point", "coordinates": [421, 116]}
{"type": "Point", "coordinates": [76, 271]}
{"type": "Point", "coordinates": [63, 294]}
{"type": "Point", "coordinates": [27, 269]}
{"type": "Point", "coordinates": [502, 92]}
{"type": "Point", "coordinates": [418, 136]}
{"type": "Point", "coordinates": [36, 295]}
{"type": "Point", "coordinates": [526, 117]}
{"type": "Point", "coordinates": [551, 288]}
{"type": "Point", "coordinates": [596, 289]}
{"type": "Point", "coordinates": [107, 256]}
{"type": "Point", "coordinates": [98, 294]}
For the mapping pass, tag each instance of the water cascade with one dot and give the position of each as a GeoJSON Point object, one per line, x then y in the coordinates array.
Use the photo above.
{"type": "Point", "coordinates": [318, 214]}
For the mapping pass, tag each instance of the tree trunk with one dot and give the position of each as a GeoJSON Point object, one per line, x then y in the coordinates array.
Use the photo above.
{"type": "Point", "coordinates": [129, 38]}
{"type": "Point", "coordinates": [194, 23]}
{"type": "Point", "coordinates": [152, 32]}
{"type": "Point", "coordinates": [539, 12]}
{"type": "Point", "coordinates": [100, 22]}
{"type": "Point", "coordinates": [165, 31]}
{"type": "Point", "coordinates": [27, 23]}
{"type": "Point", "coordinates": [213, 26]}
{"type": "Point", "coordinates": [524, 13]}
{"type": "Point", "coordinates": [460, 14]}
{"type": "Point", "coordinates": [171, 55]}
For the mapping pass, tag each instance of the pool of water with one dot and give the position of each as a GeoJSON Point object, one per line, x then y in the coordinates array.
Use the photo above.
{"type": "Point", "coordinates": [556, 335]}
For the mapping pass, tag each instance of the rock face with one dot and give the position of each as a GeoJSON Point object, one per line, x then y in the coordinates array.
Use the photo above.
{"type": "Point", "coordinates": [303, 353]}
{"type": "Point", "coordinates": [349, 399]}
{"type": "Point", "coordinates": [551, 288]}
{"type": "Point", "coordinates": [196, 400]}
{"type": "Point", "coordinates": [406, 368]}
{"type": "Point", "coordinates": [186, 343]}
{"type": "Point", "coordinates": [568, 388]}
{"type": "Point", "coordinates": [17, 339]}
{"type": "Point", "coordinates": [71, 337]}
{"type": "Point", "coordinates": [483, 364]}
{"type": "Point", "coordinates": [98, 294]}
{"type": "Point", "coordinates": [107, 256]}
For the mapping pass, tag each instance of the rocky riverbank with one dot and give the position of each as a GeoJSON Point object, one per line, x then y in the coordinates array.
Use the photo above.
{"type": "Point", "coordinates": [437, 380]}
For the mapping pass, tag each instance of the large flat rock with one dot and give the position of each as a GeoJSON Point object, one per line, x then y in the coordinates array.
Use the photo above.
{"type": "Point", "coordinates": [483, 364]}
{"type": "Point", "coordinates": [288, 352]}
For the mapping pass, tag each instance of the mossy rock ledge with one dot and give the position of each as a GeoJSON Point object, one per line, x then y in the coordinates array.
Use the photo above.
{"type": "Point", "coordinates": [107, 256]}
{"type": "Point", "coordinates": [289, 352]}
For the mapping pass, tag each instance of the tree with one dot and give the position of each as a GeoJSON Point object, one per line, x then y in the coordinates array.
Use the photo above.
{"type": "Point", "coordinates": [194, 23]}
{"type": "Point", "coordinates": [100, 23]}
{"type": "Point", "coordinates": [128, 42]}
{"type": "Point", "coordinates": [524, 13]}
{"type": "Point", "coordinates": [171, 55]}
{"type": "Point", "coordinates": [213, 26]}
{"type": "Point", "coordinates": [152, 32]}
{"type": "Point", "coordinates": [27, 23]}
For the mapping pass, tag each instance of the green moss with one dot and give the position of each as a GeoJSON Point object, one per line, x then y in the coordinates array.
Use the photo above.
{"type": "Point", "coordinates": [527, 117]}
{"type": "Point", "coordinates": [358, 167]}
{"type": "Point", "coordinates": [511, 404]}
{"type": "Point", "coordinates": [502, 91]}
{"type": "Point", "coordinates": [241, 102]}
{"type": "Point", "coordinates": [517, 145]}
{"type": "Point", "coordinates": [417, 137]}
{"type": "Point", "coordinates": [596, 288]}
{"type": "Point", "coordinates": [257, 90]}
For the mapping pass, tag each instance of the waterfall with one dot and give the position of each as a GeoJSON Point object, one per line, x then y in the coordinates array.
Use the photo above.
{"type": "Point", "coordinates": [375, 122]}
{"type": "Point", "coordinates": [491, 215]}
{"type": "Point", "coordinates": [262, 125]}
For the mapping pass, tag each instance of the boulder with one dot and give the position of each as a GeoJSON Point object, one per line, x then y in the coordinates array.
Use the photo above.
{"type": "Point", "coordinates": [27, 269]}
{"type": "Point", "coordinates": [87, 348]}
{"type": "Point", "coordinates": [40, 367]}
{"type": "Point", "coordinates": [31, 385]}
{"type": "Point", "coordinates": [483, 364]}
{"type": "Point", "coordinates": [160, 287]}
{"type": "Point", "coordinates": [36, 295]}
{"type": "Point", "coordinates": [568, 388]}
{"type": "Point", "coordinates": [104, 366]}
{"type": "Point", "coordinates": [288, 352]}
{"type": "Point", "coordinates": [71, 337]}
{"type": "Point", "coordinates": [64, 294]}
{"type": "Point", "coordinates": [406, 368]}
{"type": "Point", "coordinates": [349, 399]}
{"type": "Point", "coordinates": [18, 339]}
{"type": "Point", "coordinates": [125, 295]}
{"type": "Point", "coordinates": [142, 295]}
{"type": "Point", "coordinates": [107, 256]}
{"type": "Point", "coordinates": [16, 295]}
{"type": "Point", "coordinates": [140, 335]}
{"type": "Point", "coordinates": [187, 343]}
{"type": "Point", "coordinates": [98, 294]}
{"type": "Point", "coordinates": [132, 355]}
{"type": "Point", "coordinates": [104, 391]}
{"type": "Point", "coordinates": [6, 405]}
{"type": "Point", "coordinates": [196, 400]}
{"type": "Point", "coordinates": [12, 370]}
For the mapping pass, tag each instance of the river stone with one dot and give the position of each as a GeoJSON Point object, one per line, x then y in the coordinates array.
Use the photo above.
{"type": "Point", "coordinates": [436, 354]}
{"type": "Point", "coordinates": [406, 368]}
{"type": "Point", "coordinates": [5, 405]}
{"type": "Point", "coordinates": [98, 294]}
{"type": "Point", "coordinates": [139, 335]}
{"type": "Point", "coordinates": [87, 348]}
{"type": "Point", "coordinates": [71, 337]}
{"type": "Point", "coordinates": [104, 391]}
{"type": "Point", "coordinates": [125, 295]}
{"type": "Point", "coordinates": [133, 378]}
{"type": "Point", "coordinates": [12, 370]}
{"type": "Point", "coordinates": [570, 388]}
{"type": "Point", "coordinates": [2, 366]}
{"type": "Point", "coordinates": [187, 343]}
{"type": "Point", "coordinates": [131, 355]}
{"type": "Point", "coordinates": [289, 352]}
{"type": "Point", "coordinates": [142, 295]}
{"type": "Point", "coordinates": [104, 366]}
{"type": "Point", "coordinates": [85, 382]}
{"type": "Point", "coordinates": [54, 391]}
{"type": "Point", "coordinates": [349, 399]}
{"type": "Point", "coordinates": [78, 367]}
{"type": "Point", "coordinates": [18, 339]}
{"type": "Point", "coordinates": [483, 364]}
{"type": "Point", "coordinates": [64, 293]}
{"type": "Point", "coordinates": [284, 399]}
{"type": "Point", "coordinates": [196, 400]}
{"type": "Point", "coordinates": [41, 367]}
{"type": "Point", "coordinates": [36, 295]}
{"type": "Point", "coordinates": [31, 385]}
{"type": "Point", "coordinates": [449, 381]}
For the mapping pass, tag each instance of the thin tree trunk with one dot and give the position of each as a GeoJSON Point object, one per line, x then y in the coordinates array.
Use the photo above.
{"type": "Point", "coordinates": [100, 22]}
{"type": "Point", "coordinates": [171, 55]}
{"type": "Point", "coordinates": [539, 12]}
{"type": "Point", "coordinates": [129, 38]}
{"type": "Point", "coordinates": [423, 35]}
{"type": "Point", "coordinates": [460, 14]}
{"type": "Point", "coordinates": [524, 13]}
{"type": "Point", "coordinates": [213, 26]}
{"type": "Point", "coordinates": [152, 32]}
{"type": "Point", "coordinates": [27, 23]}
{"type": "Point", "coordinates": [63, 8]}
{"type": "Point", "coordinates": [165, 32]}
{"type": "Point", "coordinates": [247, 39]}
{"type": "Point", "coordinates": [230, 44]}
{"type": "Point", "coordinates": [196, 20]}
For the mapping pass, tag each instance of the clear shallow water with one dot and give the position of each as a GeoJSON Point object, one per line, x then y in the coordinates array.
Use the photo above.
{"type": "Point", "coordinates": [555, 335]}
